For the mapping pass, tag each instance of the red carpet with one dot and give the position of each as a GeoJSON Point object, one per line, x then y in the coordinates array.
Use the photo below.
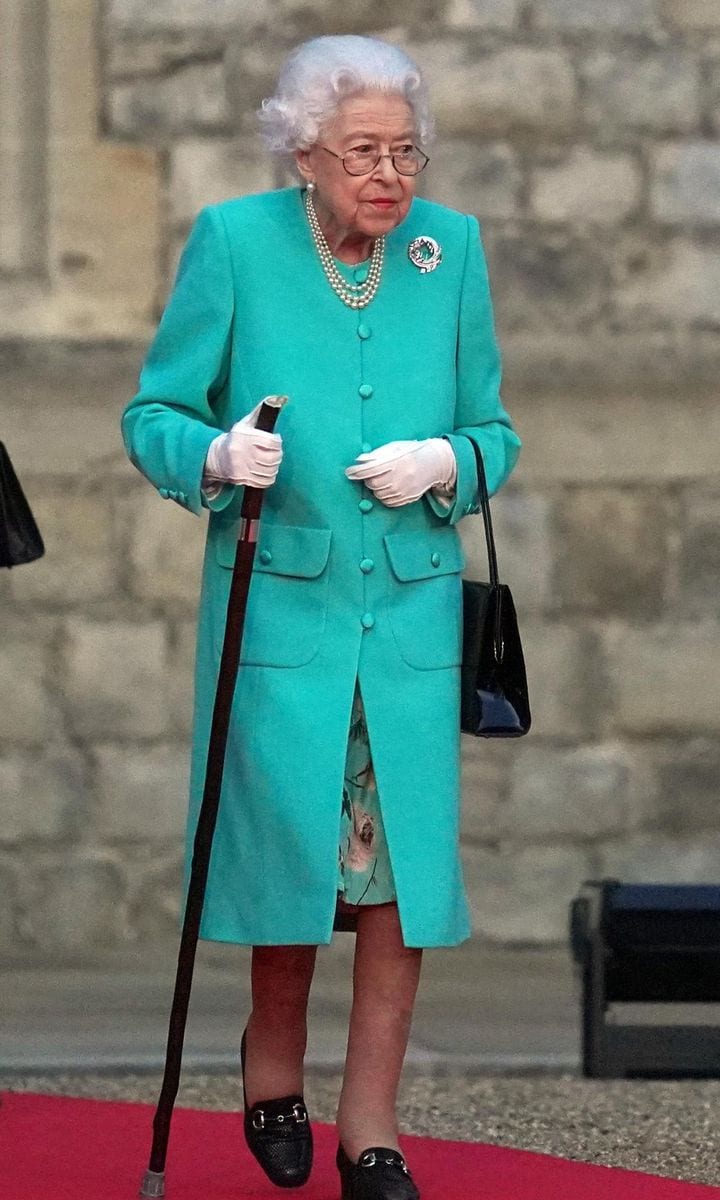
{"type": "Point", "coordinates": [59, 1149]}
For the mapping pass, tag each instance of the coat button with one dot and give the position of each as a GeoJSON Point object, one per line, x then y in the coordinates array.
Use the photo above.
{"type": "Point", "coordinates": [435, 559]}
{"type": "Point", "coordinates": [366, 390]}
{"type": "Point", "coordinates": [164, 493]}
{"type": "Point", "coordinates": [367, 620]}
{"type": "Point", "coordinates": [265, 556]}
{"type": "Point", "coordinates": [365, 506]}
{"type": "Point", "coordinates": [363, 330]}
{"type": "Point", "coordinates": [366, 565]}
{"type": "Point", "coordinates": [366, 448]}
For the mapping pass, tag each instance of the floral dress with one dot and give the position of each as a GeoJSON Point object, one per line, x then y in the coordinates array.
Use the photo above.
{"type": "Point", "coordinates": [364, 871]}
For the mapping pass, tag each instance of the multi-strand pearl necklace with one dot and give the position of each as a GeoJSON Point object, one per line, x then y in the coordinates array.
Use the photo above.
{"type": "Point", "coordinates": [355, 295]}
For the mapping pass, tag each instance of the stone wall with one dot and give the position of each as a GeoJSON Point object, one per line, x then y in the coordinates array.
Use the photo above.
{"type": "Point", "coordinates": [585, 134]}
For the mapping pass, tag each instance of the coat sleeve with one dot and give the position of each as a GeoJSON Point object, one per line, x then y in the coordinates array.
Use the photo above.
{"type": "Point", "coordinates": [169, 424]}
{"type": "Point", "coordinates": [479, 413]}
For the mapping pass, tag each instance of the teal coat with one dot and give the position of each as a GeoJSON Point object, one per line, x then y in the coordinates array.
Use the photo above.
{"type": "Point", "coordinates": [343, 586]}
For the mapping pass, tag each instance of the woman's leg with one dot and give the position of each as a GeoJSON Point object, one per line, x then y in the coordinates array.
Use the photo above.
{"type": "Point", "coordinates": [385, 980]}
{"type": "Point", "coordinates": [277, 1026]}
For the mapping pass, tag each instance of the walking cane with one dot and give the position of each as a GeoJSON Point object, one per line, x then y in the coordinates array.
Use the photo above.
{"type": "Point", "coordinates": [153, 1183]}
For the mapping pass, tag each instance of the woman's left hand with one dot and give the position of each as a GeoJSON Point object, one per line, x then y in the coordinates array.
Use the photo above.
{"type": "Point", "coordinates": [400, 472]}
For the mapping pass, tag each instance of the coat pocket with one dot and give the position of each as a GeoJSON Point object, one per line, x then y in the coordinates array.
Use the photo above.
{"type": "Point", "coordinates": [425, 596]}
{"type": "Point", "coordinates": [288, 597]}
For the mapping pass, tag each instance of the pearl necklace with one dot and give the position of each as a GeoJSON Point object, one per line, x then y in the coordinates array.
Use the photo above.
{"type": "Point", "coordinates": [355, 295]}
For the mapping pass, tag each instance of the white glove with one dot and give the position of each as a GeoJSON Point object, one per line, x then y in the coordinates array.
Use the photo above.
{"type": "Point", "coordinates": [400, 472]}
{"type": "Point", "coordinates": [244, 455]}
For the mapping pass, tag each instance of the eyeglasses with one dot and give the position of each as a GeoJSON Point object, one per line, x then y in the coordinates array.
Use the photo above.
{"type": "Point", "coordinates": [361, 162]}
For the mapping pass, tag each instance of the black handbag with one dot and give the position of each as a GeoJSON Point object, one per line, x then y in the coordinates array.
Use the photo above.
{"type": "Point", "coordinates": [493, 684]}
{"type": "Point", "coordinates": [20, 540]}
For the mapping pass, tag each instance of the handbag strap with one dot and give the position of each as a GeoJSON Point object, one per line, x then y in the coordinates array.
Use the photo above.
{"type": "Point", "coordinates": [487, 519]}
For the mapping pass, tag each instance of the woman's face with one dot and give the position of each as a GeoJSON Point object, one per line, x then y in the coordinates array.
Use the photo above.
{"type": "Point", "coordinates": [372, 204]}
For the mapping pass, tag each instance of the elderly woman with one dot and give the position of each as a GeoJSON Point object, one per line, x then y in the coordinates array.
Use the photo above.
{"type": "Point", "coordinates": [370, 309]}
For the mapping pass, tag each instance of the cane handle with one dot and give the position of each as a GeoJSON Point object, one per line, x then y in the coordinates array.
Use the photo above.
{"type": "Point", "coordinates": [253, 496]}
{"type": "Point", "coordinates": [269, 412]}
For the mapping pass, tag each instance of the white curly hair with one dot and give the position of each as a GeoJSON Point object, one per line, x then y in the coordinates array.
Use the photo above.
{"type": "Point", "coordinates": [318, 74]}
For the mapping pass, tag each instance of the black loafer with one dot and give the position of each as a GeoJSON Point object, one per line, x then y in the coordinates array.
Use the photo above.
{"type": "Point", "coordinates": [279, 1135]}
{"type": "Point", "coordinates": [380, 1173]}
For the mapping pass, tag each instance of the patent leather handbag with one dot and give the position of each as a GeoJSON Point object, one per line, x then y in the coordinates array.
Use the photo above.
{"type": "Point", "coordinates": [20, 540]}
{"type": "Point", "coordinates": [493, 684]}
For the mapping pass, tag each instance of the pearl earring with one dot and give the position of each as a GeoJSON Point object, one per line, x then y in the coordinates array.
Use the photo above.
{"type": "Point", "coordinates": [311, 185]}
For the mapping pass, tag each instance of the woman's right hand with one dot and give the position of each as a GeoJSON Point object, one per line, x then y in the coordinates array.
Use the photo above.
{"type": "Point", "coordinates": [245, 454]}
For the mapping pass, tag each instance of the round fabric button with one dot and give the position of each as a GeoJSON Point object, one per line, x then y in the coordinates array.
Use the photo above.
{"type": "Point", "coordinates": [363, 331]}
{"type": "Point", "coordinates": [366, 565]}
{"type": "Point", "coordinates": [366, 448]}
{"type": "Point", "coordinates": [367, 620]}
{"type": "Point", "coordinates": [360, 274]}
{"type": "Point", "coordinates": [265, 556]}
{"type": "Point", "coordinates": [366, 390]}
{"type": "Point", "coordinates": [435, 559]}
{"type": "Point", "coordinates": [365, 505]}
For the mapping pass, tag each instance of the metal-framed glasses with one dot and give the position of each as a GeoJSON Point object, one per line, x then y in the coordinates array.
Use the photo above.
{"type": "Point", "coordinates": [361, 161]}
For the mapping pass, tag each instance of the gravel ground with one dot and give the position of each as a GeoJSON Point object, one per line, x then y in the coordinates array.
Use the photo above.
{"type": "Point", "coordinates": [662, 1127]}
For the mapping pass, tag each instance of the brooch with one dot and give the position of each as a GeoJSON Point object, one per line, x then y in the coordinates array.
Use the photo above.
{"type": "Point", "coordinates": [425, 253]}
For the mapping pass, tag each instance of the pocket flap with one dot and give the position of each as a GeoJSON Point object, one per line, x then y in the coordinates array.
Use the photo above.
{"type": "Point", "coordinates": [281, 549]}
{"type": "Point", "coordinates": [424, 553]}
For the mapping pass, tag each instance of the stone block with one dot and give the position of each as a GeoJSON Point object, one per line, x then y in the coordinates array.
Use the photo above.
{"type": "Point", "coordinates": [625, 16]}
{"type": "Point", "coordinates": [181, 676]}
{"type": "Point", "coordinates": [612, 359]}
{"type": "Point", "coordinates": [700, 550]}
{"type": "Point", "coordinates": [561, 794]}
{"type": "Point", "coordinates": [656, 91]}
{"type": "Point", "coordinates": [208, 171]}
{"type": "Point", "coordinates": [679, 284]}
{"type": "Point", "coordinates": [252, 66]}
{"type": "Point", "coordinates": [132, 53]}
{"type": "Point", "coordinates": [61, 405]}
{"type": "Point", "coordinates": [78, 905]}
{"type": "Point", "coordinates": [692, 15]}
{"type": "Point", "coordinates": [652, 858]}
{"type": "Point", "coordinates": [192, 99]}
{"type": "Point", "coordinates": [115, 678]}
{"type": "Point", "coordinates": [665, 677]}
{"type": "Point", "coordinates": [29, 710]}
{"type": "Point", "coordinates": [42, 796]}
{"type": "Point", "coordinates": [155, 910]}
{"type": "Point", "coordinates": [8, 909]}
{"type": "Point", "coordinates": [141, 792]}
{"type": "Point", "coordinates": [523, 536]}
{"type": "Point", "coordinates": [611, 550]}
{"type": "Point", "coordinates": [166, 549]}
{"type": "Point", "coordinates": [79, 561]}
{"type": "Point", "coordinates": [549, 280]}
{"type": "Point", "coordinates": [523, 895]}
{"type": "Point", "coordinates": [685, 184]}
{"type": "Point", "coordinates": [566, 678]}
{"type": "Point", "coordinates": [688, 776]}
{"type": "Point", "coordinates": [183, 14]}
{"type": "Point", "coordinates": [712, 70]}
{"type": "Point", "coordinates": [478, 178]}
{"type": "Point", "coordinates": [483, 14]}
{"type": "Point", "coordinates": [587, 188]}
{"type": "Point", "coordinates": [486, 766]}
{"type": "Point", "coordinates": [517, 87]}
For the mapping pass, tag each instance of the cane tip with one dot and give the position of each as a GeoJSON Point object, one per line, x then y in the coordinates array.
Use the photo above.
{"type": "Point", "coordinates": [153, 1184]}
{"type": "Point", "coordinates": [276, 401]}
